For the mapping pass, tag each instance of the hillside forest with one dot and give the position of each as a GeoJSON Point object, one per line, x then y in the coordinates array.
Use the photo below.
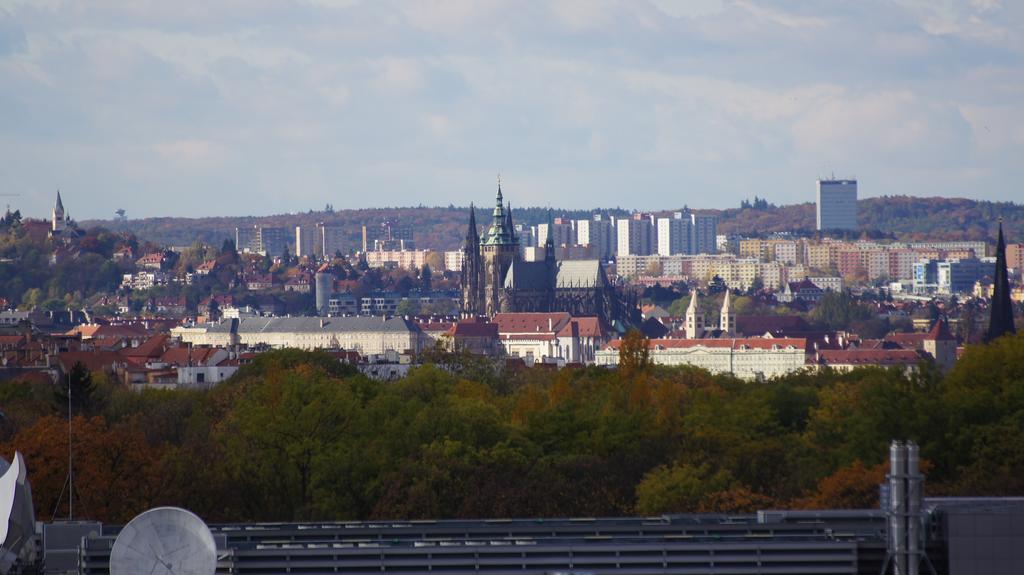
{"type": "Point", "coordinates": [904, 218]}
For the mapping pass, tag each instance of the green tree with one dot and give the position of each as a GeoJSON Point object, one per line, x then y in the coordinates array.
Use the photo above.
{"type": "Point", "coordinates": [78, 382]}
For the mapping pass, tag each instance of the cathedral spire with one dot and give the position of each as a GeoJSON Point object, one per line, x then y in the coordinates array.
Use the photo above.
{"type": "Point", "coordinates": [472, 236]}
{"type": "Point", "coordinates": [1001, 321]}
{"type": "Point", "coordinates": [549, 243]}
{"type": "Point", "coordinates": [511, 230]}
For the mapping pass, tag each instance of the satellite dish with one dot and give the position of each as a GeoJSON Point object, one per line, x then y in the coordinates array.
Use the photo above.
{"type": "Point", "coordinates": [17, 518]}
{"type": "Point", "coordinates": [164, 541]}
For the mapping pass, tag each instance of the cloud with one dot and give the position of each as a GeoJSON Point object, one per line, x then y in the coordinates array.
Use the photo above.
{"type": "Point", "coordinates": [649, 103]}
{"type": "Point", "coordinates": [192, 153]}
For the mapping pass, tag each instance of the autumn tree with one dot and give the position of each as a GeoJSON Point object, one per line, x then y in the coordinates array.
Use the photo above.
{"type": "Point", "coordinates": [634, 355]}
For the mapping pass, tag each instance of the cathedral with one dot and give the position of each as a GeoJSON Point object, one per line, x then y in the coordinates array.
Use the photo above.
{"type": "Point", "coordinates": [495, 279]}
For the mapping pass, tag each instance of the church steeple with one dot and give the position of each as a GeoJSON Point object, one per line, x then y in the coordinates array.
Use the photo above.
{"type": "Point", "coordinates": [471, 268]}
{"type": "Point", "coordinates": [472, 235]}
{"type": "Point", "coordinates": [549, 243]}
{"type": "Point", "coordinates": [727, 321]}
{"type": "Point", "coordinates": [1001, 321]}
{"type": "Point", "coordinates": [500, 233]}
{"type": "Point", "coordinates": [694, 319]}
{"type": "Point", "coordinates": [59, 220]}
{"type": "Point", "coordinates": [510, 229]}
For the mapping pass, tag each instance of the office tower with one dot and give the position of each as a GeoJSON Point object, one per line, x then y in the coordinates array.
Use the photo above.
{"type": "Point", "coordinates": [837, 205]}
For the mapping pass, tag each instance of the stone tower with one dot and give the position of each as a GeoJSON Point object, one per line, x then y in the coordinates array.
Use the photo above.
{"type": "Point", "coordinates": [726, 319]}
{"type": "Point", "coordinates": [498, 249]}
{"type": "Point", "coordinates": [941, 344]}
{"type": "Point", "coordinates": [695, 320]}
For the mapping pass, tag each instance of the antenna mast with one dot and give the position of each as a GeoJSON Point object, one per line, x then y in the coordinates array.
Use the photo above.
{"type": "Point", "coordinates": [71, 470]}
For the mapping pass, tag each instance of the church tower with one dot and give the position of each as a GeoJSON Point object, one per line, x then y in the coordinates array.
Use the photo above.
{"type": "Point", "coordinates": [59, 221]}
{"type": "Point", "coordinates": [694, 319]}
{"type": "Point", "coordinates": [1001, 321]}
{"type": "Point", "coordinates": [472, 289]}
{"type": "Point", "coordinates": [726, 319]}
{"type": "Point", "coordinates": [498, 249]}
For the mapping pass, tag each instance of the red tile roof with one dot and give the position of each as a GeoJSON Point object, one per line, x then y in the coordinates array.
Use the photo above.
{"type": "Point", "coordinates": [92, 360]}
{"type": "Point", "coordinates": [531, 322]}
{"type": "Point", "coordinates": [181, 355]}
{"type": "Point", "coordinates": [869, 357]}
{"type": "Point", "coordinates": [473, 328]}
{"type": "Point", "coordinates": [153, 347]}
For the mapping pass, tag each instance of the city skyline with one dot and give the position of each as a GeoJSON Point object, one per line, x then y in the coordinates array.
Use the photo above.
{"type": "Point", "coordinates": [267, 108]}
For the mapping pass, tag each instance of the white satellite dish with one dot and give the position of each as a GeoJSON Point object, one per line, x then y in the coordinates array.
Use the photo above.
{"type": "Point", "coordinates": [17, 518]}
{"type": "Point", "coordinates": [164, 541]}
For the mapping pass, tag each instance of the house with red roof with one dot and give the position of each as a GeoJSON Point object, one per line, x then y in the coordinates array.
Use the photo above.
{"type": "Point", "coordinates": [476, 335]}
{"type": "Point", "coordinates": [849, 359]}
{"type": "Point", "coordinates": [551, 337]}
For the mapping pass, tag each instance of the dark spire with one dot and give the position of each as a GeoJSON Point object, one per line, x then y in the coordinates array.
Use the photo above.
{"type": "Point", "coordinates": [549, 243]}
{"type": "Point", "coordinates": [472, 236]}
{"type": "Point", "coordinates": [1001, 322]}
{"type": "Point", "coordinates": [511, 229]}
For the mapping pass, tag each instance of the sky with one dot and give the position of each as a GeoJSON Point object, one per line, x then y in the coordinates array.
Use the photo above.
{"type": "Point", "coordinates": [255, 107]}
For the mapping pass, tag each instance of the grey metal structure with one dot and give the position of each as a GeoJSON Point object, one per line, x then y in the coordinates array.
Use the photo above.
{"type": "Point", "coordinates": [905, 512]}
{"type": "Point", "coordinates": [771, 542]}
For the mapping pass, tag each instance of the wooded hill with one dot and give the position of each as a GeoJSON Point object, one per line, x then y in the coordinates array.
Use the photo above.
{"type": "Point", "coordinates": [897, 217]}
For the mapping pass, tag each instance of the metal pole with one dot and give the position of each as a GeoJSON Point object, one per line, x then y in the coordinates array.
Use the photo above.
{"type": "Point", "coordinates": [71, 469]}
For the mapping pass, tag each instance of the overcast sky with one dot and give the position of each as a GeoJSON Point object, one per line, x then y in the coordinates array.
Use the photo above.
{"type": "Point", "coordinates": [256, 107]}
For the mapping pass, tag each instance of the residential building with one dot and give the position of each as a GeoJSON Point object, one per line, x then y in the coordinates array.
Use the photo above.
{"type": "Point", "coordinates": [268, 241]}
{"type": "Point", "coordinates": [409, 259]}
{"type": "Point", "coordinates": [366, 335]}
{"type": "Point", "coordinates": [675, 234]}
{"type": "Point", "coordinates": [390, 235]}
{"type": "Point", "coordinates": [560, 230]}
{"type": "Point", "coordinates": [704, 234]}
{"type": "Point", "coordinates": [598, 232]}
{"type": "Point", "coordinates": [305, 241]}
{"type": "Point", "coordinates": [453, 260]}
{"type": "Point", "coordinates": [837, 205]}
{"type": "Point", "coordinates": [330, 240]}
{"type": "Point", "coordinates": [635, 236]}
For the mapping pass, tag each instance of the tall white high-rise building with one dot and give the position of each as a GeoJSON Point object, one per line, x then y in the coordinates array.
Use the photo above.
{"type": "Point", "coordinates": [837, 205]}
{"type": "Point", "coordinates": [598, 232]}
{"type": "Point", "coordinates": [674, 234]}
{"type": "Point", "coordinates": [561, 230]}
{"type": "Point", "coordinates": [304, 241]}
{"type": "Point", "coordinates": [635, 235]}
